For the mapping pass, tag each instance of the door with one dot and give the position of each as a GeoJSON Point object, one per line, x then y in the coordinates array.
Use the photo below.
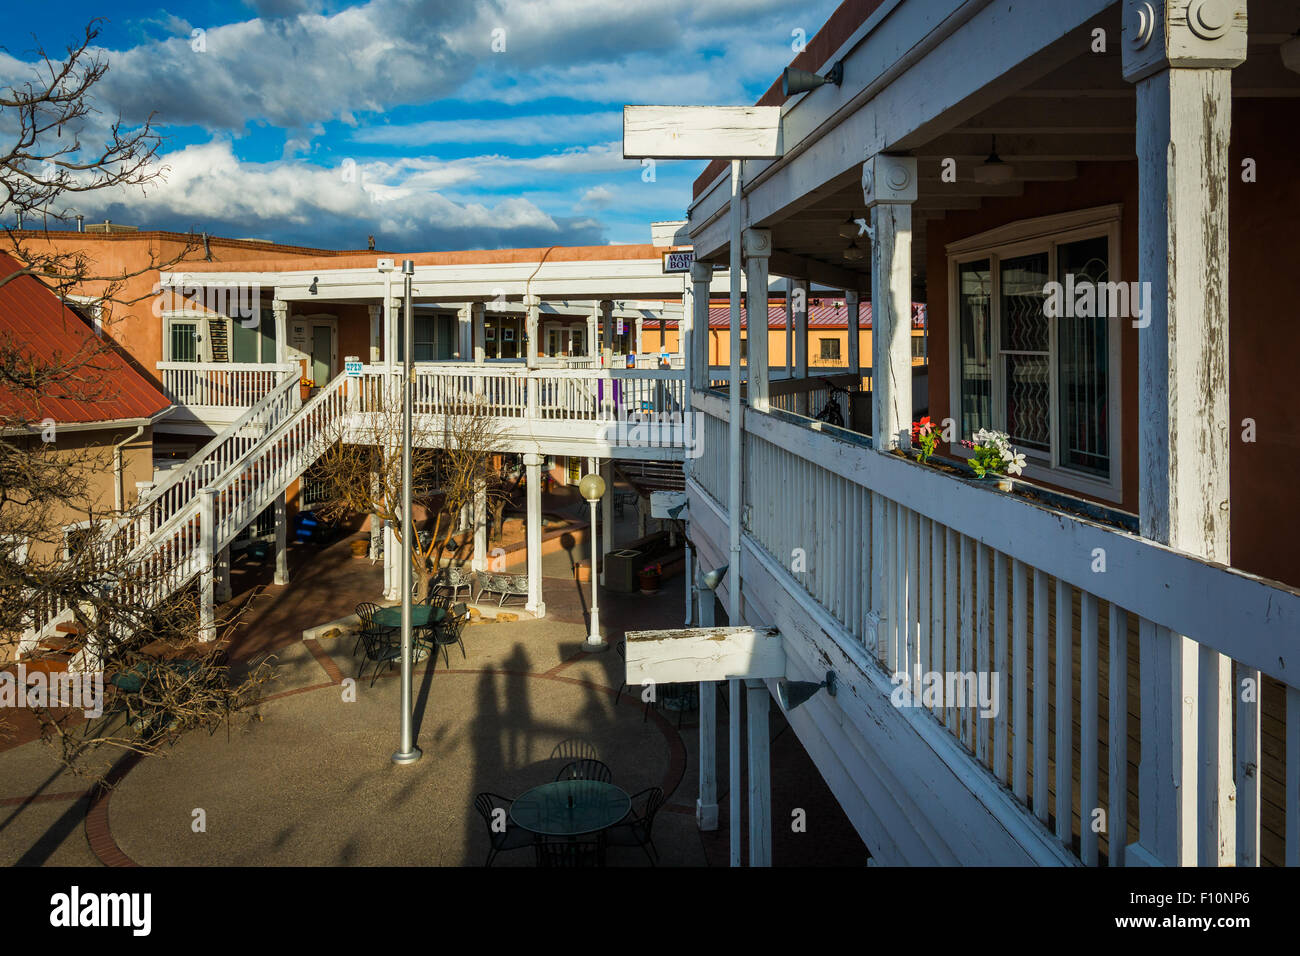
{"type": "Point", "coordinates": [322, 354]}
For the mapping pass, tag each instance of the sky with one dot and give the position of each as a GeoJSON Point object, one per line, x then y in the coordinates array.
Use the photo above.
{"type": "Point", "coordinates": [427, 123]}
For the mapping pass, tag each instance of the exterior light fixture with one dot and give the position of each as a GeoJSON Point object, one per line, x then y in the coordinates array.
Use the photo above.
{"type": "Point", "coordinates": [592, 489]}
{"type": "Point", "coordinates": [1290, 51]}
{"type": "Point", "coordinates": [853, 253]}
{"type": "Point", "coordinates": [793, 693]}
{"type": "Point", "coordinates": [795, 80]}
{"type": "Point", "coordinates": [312, 287]}
{"type": "Point", "coordinates": [713, 578]}
{"type": "Point", "coordinates": [849, 229]}
{"type": "Point", "coordinates": [993, 171]}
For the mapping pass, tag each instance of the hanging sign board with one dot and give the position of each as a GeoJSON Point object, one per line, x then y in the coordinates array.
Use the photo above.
{"type": "Point", "coordinates": [701, 132]}
{"type": "Point", "coordinates": [678, 261]}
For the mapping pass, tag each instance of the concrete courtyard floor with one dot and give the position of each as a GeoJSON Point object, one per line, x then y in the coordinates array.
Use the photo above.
{"type": "Point", "coordinates": [308, 780]}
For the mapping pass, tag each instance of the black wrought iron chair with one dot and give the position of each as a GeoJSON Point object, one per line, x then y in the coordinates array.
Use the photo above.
{"type": "Point", "coordinates": [366, 612]}
{"type": "Point", "coordinates": [503, 833]}
{"type": "Point", "coordinates": [448, 631]}
{"type": "Point", "coordinates": [569, 853]}
{"type": "Point", "coordinates": [379, 650]}
{"type": "Point", "coordinates": [638, 828]}
{"type": "Point", "coordinates": [575, 748]}
{"type": "Point", "coordinates": [586, 769]}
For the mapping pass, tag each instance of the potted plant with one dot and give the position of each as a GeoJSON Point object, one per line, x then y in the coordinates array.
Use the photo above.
{"type": "Point", "coordinates": [305, 386]}
{"type": "Point", "coordinates": [993, 457]}
{"type": "Point", "coordinates": [649, 578]}
{"type": "Point", "coordinates": [925, 439]}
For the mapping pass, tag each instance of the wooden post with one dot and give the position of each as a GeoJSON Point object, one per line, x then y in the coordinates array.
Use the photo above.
{"type": "Point", "coordinates": [533, 490]}
{"type": "Point", "coordinates": [706, 807]}
{"type": "Point", "coordinates": [207, 542]}
{"type": "Point", "coordinates": [757, 703]}
{"type": "Point", "coordinates": [789, 330]}
{"type": "Point", "coordinates": [280, 309]}
{"type": "Point", "coordinates": [376, 332]}
{"type": "Point", "coordinates": [701, 279]}
{"type": "Point", "coordinates": [607, 321]}
{"type": "Point", "coordinates": [532, 305]}
{"type": "Point", "coordinates": [757, 248]}
{"type": "Point", "coordinates": [799, 315]}
{"type": "Point", "coordinates": [593, 332]}
{"type": "Point", "coordinates": [1180, 60]}
{"type": "Point", "coordinates": [281, 540]}
{"type": "Point", "coordinates": [889, 189]}
{"type": "Point", "coordinates": [477, 312]}
{"type": "Point", "coordinates": [852, 310]}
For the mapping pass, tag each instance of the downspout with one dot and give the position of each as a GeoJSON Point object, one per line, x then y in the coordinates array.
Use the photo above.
{"type": "Point", "coordinates": [119, 494]}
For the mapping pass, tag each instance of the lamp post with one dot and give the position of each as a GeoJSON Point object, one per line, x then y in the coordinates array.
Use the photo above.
{"type": "Point", "coordinates": [407, 752]}
{"type": "Point", "coordinates": [592, 488]}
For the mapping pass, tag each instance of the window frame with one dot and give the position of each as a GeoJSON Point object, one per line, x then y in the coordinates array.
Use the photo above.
{"type": "Point", "coordinates": [1042, 234]}
{"type": "Point", "coordinates": [825, 340]}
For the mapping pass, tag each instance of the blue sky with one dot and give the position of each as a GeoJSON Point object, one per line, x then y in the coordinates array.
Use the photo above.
{"type": "Point", "coordinates": [323, 122]}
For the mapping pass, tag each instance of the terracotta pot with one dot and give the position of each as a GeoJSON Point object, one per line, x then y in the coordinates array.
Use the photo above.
{"type": "Point", "coordinates": [360, 549]}
{"type": "Point", "coordinates": [649, 583]}
{"type": "Point", "coordinates": [304, 391]}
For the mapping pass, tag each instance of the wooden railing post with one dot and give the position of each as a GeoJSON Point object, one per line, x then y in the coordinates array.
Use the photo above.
{"type": "Point", "coordinates": [1181, 66]}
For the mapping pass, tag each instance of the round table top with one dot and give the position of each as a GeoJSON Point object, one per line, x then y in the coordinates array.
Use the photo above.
{"type": "Point", "coordinates": [547, 810]}
{"type": "Point", "coordinates": [422, 615]}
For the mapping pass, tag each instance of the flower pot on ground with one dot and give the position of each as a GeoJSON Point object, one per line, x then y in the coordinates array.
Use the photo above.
{"type": "Point", "coordinates": [304, 388]}
{"type": "Point", "coordinates": [649, 579]}
{"type": "Point", "coordinates": [360, 548]}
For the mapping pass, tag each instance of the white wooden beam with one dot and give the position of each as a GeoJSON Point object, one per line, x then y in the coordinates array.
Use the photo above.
{"type": "Point", "coordinates": [889, 188]}
{"type": "Point", "coordinates": [757, 248]}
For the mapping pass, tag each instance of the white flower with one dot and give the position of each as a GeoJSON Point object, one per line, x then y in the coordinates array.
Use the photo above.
{"type": "Point", "coordinates": [981, 436]}
{"type": "Point", "coordinates": [1016, 463]}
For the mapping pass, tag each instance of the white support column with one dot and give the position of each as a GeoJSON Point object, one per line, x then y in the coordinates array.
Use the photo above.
{"type": "Point", "coordinates": [706, 806]}
{"type": "Point", "coordinates": [477, 311]}
{"type": "Point", "coordinates": [593, 331]}
{"type": "Point", "coordinates": [701, 278]}
{"type": "Point", "coordinates": [757, 702]}
{"type": "Point", "coordinates": [799, 316]}
{"type": "Point", "coordinates": [852, 309]}
{"type": "Point", "coordinates": [889, 189]}
{"type": "Point", "coordinates": [533, 488]}
{"type": "Point", "coordinates": [532, 306]}
{"type": "Point", "coordinates": [280, 309]}
{"type": "Point", "coordinates": [758, 249]}
{"type": "Point", "coordinates": [465, 332]}
{"type": "Point", "coordinates": [392, 325]}
{"type": "Point", "coordinates": [479, 561]}
{"type": "Point", "coordinates": [281, 540]}
{"type": "Point", "coordinates": [376, 334]}
{"type": "Point", "coordinates": [606, 514]}
{"type": "Point", "coordinates": [392, 563]}
{"type": "Point", "coordinates": [207, 560]}
{"type": "Point", "coordinates": [639, 347]}
{"type": "Point", "coordinates": [789, 330]}
{"type": "Point", "coordinates": [607, 322]}
{"type": "Point", "coordinates": [1180, 56]}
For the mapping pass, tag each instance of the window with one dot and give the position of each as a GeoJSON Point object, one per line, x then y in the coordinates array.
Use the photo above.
{"type": "Point", "coordinates": [425, 337]}
{"type": "Point", "coordinates": [183, 341]}
{"type": "Point", "coordinates": [919, 346]}
{"type": "Point", "coordinates": [830, 348]}
{"type": "Point", "coordinates": [1051, 383]}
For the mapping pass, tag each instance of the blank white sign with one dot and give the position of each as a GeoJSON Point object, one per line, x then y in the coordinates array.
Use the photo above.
{"type": "Point", "coordinates": [701, 132]}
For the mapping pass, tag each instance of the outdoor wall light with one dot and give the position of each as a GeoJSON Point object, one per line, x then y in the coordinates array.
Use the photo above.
{"type": "Point", "coordinates": [853, 253]}
{"type": "Point", "coordinates": [795, 80]}
{"type": "Point", "coordinates": [1290, 51]}
{"type": "Point", "coordinates": [312, 288]}
{"type": "Point", "coordinates": [850, 229]}
{"type": "Point", "coordinates": [793, 693]}
{"type": "Point", "coordinates": [993, 171]}
{"type": "Point", "coordinates": [713, 578]}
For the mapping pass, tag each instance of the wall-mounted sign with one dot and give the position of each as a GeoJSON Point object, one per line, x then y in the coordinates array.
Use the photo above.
{"type": "Point", "coordinates": [678, 261]}
{"type": "Point", "coordinates": [353, 369]}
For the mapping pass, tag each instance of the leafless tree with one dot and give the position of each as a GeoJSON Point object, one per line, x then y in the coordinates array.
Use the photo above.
{"type": "Point", "coordinates": [121, 619]}
{"type": "Point", "coordinates": [452, 456]}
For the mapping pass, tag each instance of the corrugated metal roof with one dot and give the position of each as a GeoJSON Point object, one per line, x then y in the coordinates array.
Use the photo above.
{"type": "Point", "coordinates": [100, 385]}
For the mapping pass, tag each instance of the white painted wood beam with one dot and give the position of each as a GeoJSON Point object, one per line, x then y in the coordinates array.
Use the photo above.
{"type": "Point", "coordinates": [757, 249]}
{"type": "Point", "coordinates": [533, 531]}
{"type": "Point", "coordinates": [701, 132]}
{"type": "Point", "coordinates": [889, 188]}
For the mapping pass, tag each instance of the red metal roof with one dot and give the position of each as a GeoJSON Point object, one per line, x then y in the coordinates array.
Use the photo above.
{"type": "Point", "coordinates": [101, 386]}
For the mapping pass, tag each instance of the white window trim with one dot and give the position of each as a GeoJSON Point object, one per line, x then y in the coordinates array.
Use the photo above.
{"type": "Point", "coordinates": [203, 354]}
{"type": "Point", "coordinates": [93, 307]}
{"type": "Point", "coordinates": [18, 545]}
{"type": "Point", "coordinates": [1040, 234]}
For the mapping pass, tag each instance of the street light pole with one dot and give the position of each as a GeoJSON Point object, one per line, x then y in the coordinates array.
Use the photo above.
{"type": "Point", "coordinates": [592, 487]}
{"type": "Point", "coordinates": [407, 752]}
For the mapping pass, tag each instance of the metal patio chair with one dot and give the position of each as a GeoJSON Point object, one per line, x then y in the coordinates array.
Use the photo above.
{"type": "Point", "coordinates": [586, 769]}
{"type": "Point", "coordinates": [512, 837]}
{"type": "Point", "coordinates": [637, 829]}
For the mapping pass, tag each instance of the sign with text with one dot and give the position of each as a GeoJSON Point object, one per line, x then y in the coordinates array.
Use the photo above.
{"type": "Point", "coordinates": [678, 261]}
{"type": "Point", "coordinates": [353, 369]}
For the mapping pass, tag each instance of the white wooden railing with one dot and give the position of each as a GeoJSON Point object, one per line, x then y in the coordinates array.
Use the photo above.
{"type": "Point", "coordinates": [930, 573]}
{"type": "Point", "coordinates": [221, 384]}
{"type": "Point", "coordinates": [553, 394]}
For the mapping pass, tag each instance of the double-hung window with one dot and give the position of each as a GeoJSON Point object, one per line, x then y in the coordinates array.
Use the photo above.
{"type": "Point", "coordinates": [1035, 344]}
